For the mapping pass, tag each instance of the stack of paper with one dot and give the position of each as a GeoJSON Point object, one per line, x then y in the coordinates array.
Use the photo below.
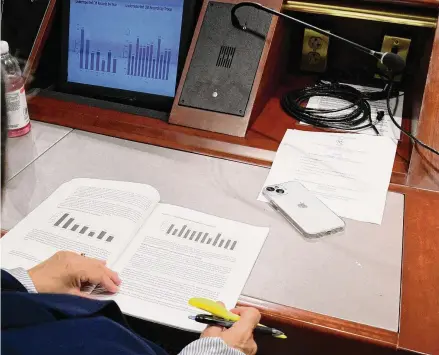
{"type": "Point", "coordinates": [350, 173]}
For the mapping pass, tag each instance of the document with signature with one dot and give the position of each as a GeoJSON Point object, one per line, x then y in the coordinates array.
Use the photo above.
{"type": "Point", "coordinates": [349, 172]}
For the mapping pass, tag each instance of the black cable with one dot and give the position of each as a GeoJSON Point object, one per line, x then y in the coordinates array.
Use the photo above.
{"type": "Point", "coordinates": [357, 118]}
{"type": "Point", "coordinates": [408, 134]}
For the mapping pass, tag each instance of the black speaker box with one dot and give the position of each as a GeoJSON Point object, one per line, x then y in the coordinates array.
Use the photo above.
{"type": "Point", "coordinates": [225, 60]}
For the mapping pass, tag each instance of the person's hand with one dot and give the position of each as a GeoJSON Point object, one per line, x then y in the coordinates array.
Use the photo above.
{"type": "Point", "coordinates": [67, 272]}
{"type": "Point", "coordinates": [240, 335]}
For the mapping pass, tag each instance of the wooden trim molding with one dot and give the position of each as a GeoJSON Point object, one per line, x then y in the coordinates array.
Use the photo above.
{"type": "Point", "coordinates": [323, 324]}
{"type": "Point", "coordinates": [358, 12]}
{"type": "Point", "coordinates": [419, 317]}
{"type": "Point", "coordinates": [258, 147]}
{"type": "Point", "coordinates": [413, 3]}
{"type": "Point", "coordinates": [40, 41]}
{"type": "Point", "coordinates": [424, 165]}
{"type": "Point", "coordinates": [253, 149]}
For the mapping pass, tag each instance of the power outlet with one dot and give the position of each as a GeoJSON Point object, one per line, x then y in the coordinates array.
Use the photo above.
{"type": "Point", "coordinates": [397, 45]}
{"type": "Point", "coordinates": [314, 51]}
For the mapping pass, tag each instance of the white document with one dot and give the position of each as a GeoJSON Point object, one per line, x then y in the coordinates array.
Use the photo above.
{"type": "Point", "coordinates": [350, 173]}
{"type": "Point", "coordinates": [179, 254]}
{"type": "Point", "coordinates": [99, 209]}
{"type": "Point", "coordinates": [386, 127]}
{"type": "Point", "coordinates": [164, 254]}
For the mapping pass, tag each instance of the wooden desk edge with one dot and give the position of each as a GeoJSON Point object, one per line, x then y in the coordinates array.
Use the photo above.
{"type": "Point", "coordinates": [257, 150]}
{"type": "Point", "coordinates": [316, 322]}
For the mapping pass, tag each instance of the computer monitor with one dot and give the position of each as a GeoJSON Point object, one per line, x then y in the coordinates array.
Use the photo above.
{"type": "Point", "coordinates": [129, 51]}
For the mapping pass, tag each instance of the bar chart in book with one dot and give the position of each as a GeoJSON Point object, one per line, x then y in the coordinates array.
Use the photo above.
{"type": "Point", "coordinates": [149, 60]}
{"type": "Point", "coordinates": [68, 222]}
{"type": "Point", "coordinates": [196, 235]}
{"type": "Point", "coordinates": [93, 59]}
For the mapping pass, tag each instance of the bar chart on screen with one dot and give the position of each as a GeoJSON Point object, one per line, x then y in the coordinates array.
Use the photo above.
{"type": "Point", "coordinates": [148, 60]}
{"type": "Point", "coordinates": [68, 222]}
{"type": "Point", "coordinates": [126, 45]}
{"type": "Point", "coordinates": [197, 233]}
{"type": "Point", "coordinates": [94, 60]}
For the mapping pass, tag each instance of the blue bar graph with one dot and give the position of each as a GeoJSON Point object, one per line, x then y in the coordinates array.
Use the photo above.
{"type": "Point", "coordinates": [87, 52]}
{"type": "Point", "coordinates": [129, 59]}
{"type": "Point", "coordinates": [143, 62]}
{"type": "Point", "coordinates": [87, 57]}
{"type": "Point", "coordinates": [109, 63]}
{"type": "Point", "coordinates": [81, 50]}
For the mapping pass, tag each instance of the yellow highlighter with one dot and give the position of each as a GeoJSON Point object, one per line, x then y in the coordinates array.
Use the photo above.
{"type": "Point", "coordinates": [223, 317]}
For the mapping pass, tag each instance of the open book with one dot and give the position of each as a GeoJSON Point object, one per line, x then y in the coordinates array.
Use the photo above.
{"type": "Point", "coordinates": [164, 254]}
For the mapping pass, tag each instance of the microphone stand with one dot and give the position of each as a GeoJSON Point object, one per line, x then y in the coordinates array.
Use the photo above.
{"type": "Point", "coordinates": [390, 60]}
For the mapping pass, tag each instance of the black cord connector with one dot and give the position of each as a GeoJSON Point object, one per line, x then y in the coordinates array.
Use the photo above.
{"type": "Point", "coordinates": [380, 116]}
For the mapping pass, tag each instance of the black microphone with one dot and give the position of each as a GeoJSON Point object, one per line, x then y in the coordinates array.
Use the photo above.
{"type": "Point", "coordinates": [391, 60]}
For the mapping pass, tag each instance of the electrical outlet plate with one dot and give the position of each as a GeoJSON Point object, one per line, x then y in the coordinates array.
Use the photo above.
{"type": "Point", "coordinates": [314, 51]}
{"type": "Point", "coordinates": [397, 45]}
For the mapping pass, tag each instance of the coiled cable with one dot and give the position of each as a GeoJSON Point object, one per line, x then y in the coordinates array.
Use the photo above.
{"type": "Point", "coordinates": [354, 116]}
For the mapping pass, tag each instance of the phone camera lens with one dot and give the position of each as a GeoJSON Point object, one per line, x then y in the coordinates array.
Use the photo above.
{"type": "Point", "coordinates": [269, 188]}
{"type": "Point", "coordinates": [280, 191]}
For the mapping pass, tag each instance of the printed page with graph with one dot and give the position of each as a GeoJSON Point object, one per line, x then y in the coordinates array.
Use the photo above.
{"type": "Point", "coordinates": [180, 253]}
{"type": "Point", "coordinates": [95, 217]}
{"type": "Point", "coordinates": [164, 254]}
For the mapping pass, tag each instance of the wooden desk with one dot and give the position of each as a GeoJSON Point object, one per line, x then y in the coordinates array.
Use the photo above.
{"type": "Point", "coordinates": [419, 321]}
{"type": "Point", "coordinates": [308, 332]}
{"type": "Point", "coordinates": [315, 333]}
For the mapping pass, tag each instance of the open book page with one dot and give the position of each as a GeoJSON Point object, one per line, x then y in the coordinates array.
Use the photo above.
{"type": "Point", "coordinates": [179, 254]}
{"type": "Point", "coordinates": [95, 217]}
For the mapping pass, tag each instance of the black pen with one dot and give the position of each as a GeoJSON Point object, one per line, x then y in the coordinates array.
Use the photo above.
{"type": "Point", "coordinates": [212, 320]}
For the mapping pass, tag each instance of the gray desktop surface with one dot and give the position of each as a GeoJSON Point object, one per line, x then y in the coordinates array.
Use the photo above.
{"type": "Point", "coordinates": [354, 276]}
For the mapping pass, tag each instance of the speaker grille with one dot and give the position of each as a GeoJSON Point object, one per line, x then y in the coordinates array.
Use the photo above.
{"type": "Point", "coordinates": [225, 60]}
{"type": "Point", "coordinates": [225, 57]}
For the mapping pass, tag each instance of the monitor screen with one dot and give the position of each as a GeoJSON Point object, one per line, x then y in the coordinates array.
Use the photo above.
{"type": "Point", "coordinates": [130, 45]}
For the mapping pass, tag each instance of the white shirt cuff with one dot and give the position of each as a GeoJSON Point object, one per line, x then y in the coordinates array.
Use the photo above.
{"type": "Point", "coordinates": [23, 277]}
{"type": "Point", "coordinates": [210, 346]}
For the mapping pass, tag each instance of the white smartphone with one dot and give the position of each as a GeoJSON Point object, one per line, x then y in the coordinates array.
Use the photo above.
{"type": "Point", "coordinates": [310, 216]}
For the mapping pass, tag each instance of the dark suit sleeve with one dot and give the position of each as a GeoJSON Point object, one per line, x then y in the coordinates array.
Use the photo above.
{"type": "Point", "coordinates": [10, 283]}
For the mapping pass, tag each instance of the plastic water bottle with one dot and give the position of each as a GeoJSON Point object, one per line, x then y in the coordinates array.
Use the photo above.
{"type": "Point", "coordinates": [16, 105]}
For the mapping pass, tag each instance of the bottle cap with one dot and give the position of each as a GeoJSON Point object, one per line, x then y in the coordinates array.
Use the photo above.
{"type": "Point", "coordinates": [4, 47]}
